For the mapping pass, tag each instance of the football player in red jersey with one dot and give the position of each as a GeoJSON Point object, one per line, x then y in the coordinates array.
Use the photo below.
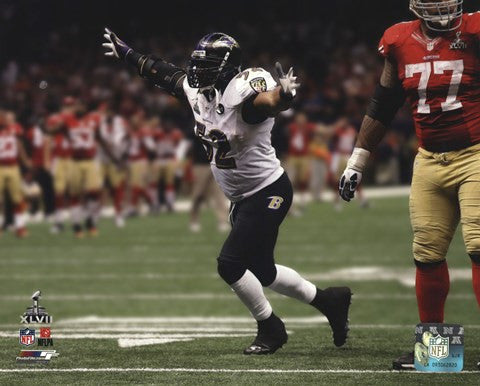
{"type": "Point", "coordinates": [11, 152]}
{"type": "Point", "coordinates": [433, 62]}
{"type": "Point", "coordinates": [167, 163]}
{"type": "Point", "coordinates": [140, 145]}
{"type": "Point", "coordinates": [81, 129]}
{"type": "Point", "coordinates": [298, 162]}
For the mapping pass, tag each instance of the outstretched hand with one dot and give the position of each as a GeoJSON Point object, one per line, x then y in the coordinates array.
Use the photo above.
{"type": "Point", "coordinates": [114, 45]}
{"type": "Point", "coordinates": [288, 81]}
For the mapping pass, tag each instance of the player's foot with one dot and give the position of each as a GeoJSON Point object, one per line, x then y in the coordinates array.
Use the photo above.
{"type": "Point", "coordinates": [478, 364]}
{"type": "Point", "coordinates": [119, 221]}
{"type": "Point", "coordinates": [195, 227]}
{"type": "Point", "coordinates": [334, 303]}
{"type": "Point", "coordinates": [270, 337]}
{"type": "Point", "coordinates": [404, 362]}
{"type": "Point", "coordinates": [78, 231]}
{"type": "Point", "coordinates": [93, 232]}
{"type": "Point", "coordinates": [21, 233]}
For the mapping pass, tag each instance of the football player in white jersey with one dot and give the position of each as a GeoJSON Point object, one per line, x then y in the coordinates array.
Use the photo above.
{"type": "Point", "coordinates": [234, 112]}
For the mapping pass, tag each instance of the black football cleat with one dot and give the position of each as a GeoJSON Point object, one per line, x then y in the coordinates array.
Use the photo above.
{"type": "Point", "coordinates": [404, 362]}
{"type": "Point", "coordinates": [270, 337]}
{"type": "Point", "coordinates": [478, 365]}
{"type": "Point", "coordinates": [334, 303]}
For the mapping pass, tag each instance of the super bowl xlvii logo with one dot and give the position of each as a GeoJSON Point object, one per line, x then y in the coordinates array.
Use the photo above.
{"type": "Point", "coordinates": [438, 347]}
{"type": "Point", "coordinates": [458, 43]}
{"type": "Point", "coordinates": [36, 315]}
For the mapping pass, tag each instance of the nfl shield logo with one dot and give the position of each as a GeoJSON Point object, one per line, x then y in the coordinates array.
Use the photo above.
{"type": "Point", "coordinates": [27, 337]}
{"type": "Point", "coordinates": [438, 347]}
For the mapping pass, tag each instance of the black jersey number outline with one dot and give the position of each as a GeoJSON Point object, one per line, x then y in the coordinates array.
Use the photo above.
{"type": "Point", "coordinates": [221, 143]}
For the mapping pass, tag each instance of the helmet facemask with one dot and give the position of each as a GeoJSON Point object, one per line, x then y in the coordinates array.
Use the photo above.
{"type": "Point", "coordinates": [214, 63]}
{"type": "Point", "coordinates": [439, 16]}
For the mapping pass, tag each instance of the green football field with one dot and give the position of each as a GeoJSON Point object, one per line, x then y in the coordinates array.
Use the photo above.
{"type": "Point", "coordinates": [144, 304]}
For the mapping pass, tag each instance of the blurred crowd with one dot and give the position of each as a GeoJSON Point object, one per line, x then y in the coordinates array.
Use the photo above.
{"type": "Point", "coordinates": [141, 146]}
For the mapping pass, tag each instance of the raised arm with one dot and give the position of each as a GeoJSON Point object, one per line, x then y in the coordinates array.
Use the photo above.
{"type": "Point", "coordinates": [270, 103]}
{"type": "Point", "coordinates": [162, 74]}
{"type": "Point", "coordinates": [388, 98]}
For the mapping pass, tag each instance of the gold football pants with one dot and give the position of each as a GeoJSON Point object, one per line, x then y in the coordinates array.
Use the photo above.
{"type": "Point", "coordinates": [445, 191]}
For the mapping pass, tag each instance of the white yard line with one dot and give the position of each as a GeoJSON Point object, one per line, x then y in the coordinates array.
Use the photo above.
{"type": "Point", "coordinates": [205, 296]}
{"type": "Point", "coordinates": [237, 371]}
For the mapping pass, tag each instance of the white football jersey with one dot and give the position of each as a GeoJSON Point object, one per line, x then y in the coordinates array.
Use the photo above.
{"type": "Point", "coordinates": [241, 155]}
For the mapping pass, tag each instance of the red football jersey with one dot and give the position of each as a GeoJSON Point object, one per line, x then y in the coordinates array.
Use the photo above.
{"type": "Point", "coordinates": [61, 144]}
{"type": "Point", "coordinates": [299, 138]}
{"type": "Point", "coordinates": [36, 139]}
{"type": "Point", "coordinates": [82, 135]}
{"type": "Point", "coordinates": [8, 144]}
{"type": "Point", "coordinates": [441, 80]}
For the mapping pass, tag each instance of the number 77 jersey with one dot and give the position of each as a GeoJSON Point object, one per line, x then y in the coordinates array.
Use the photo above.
{"type": "Point", "coordinates": [241, 155]}
{"type": "Point", "coordinates": [441, 79]}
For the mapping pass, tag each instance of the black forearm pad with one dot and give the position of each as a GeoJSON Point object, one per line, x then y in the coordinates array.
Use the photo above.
{"type": "Point", "coordinates": [161, 73]}
{"type": "Point", "coordinates": [385, 104]}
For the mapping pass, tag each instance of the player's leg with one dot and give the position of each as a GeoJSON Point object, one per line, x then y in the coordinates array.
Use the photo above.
{"type": "Point", "coordinates": [156, 172]}
{"type": "Point", "coordinates": [434, 215]}
{"type": "Point", "coordinates": [14, 187]}
{"type": "Point", "coordinates": [232, 267]}
{"type": "Point", "coordinates": [272, 205]}
{"type": "Point", "coordinates": [76, 187]}
{"type": "Point", "coordinates": [60, 170]}
{"type": "Point", "coordinates": [469, 199]}
{"type": "Point", "coordinates": [117, 179]}
{"type": "Point", "coordinates": [201, 181]}
{"type": "Point", "coordinates": [92, 188]}
{"type": "Point", "coordinates": [170, 173]}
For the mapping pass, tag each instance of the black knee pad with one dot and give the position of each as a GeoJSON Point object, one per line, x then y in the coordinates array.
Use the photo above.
{"type": "Point", "coordinates": [475, 257]}
{"type": "Point", "coordinates": [421, 264]}
{"type": "Point", "coordinates": [229, 271]}
{"type": "Point", "coordinates": [265, 273]}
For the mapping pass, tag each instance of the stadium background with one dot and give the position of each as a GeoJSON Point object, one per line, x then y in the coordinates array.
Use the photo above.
{"type": "Point", "coordinates": [145, 270]}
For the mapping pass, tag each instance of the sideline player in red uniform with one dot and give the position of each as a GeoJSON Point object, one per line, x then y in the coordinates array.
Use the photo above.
{"type": "Point", "coordinates": [434, 62]}
{"type": "Point", "coordinates": [11, 152]}
{"type": "Point", "coordinates": [299, 161]}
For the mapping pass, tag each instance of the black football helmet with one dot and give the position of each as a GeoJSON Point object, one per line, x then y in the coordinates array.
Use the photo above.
{"type": "Point", "coordinates": [439, 15]}
{"type": "Point", "coordinates": [214, 62]}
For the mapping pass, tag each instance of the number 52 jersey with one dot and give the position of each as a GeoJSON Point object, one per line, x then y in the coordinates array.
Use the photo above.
{"type": "Point", "coordinates": [441, 79]}
{"type": "Point", "coordinates": [241, 155]}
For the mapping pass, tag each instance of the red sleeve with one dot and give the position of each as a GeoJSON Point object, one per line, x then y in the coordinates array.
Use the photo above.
{"type": "Point", "coordinates": [473, 23]}
{"type": "Point", "coordinates": [393, 37]}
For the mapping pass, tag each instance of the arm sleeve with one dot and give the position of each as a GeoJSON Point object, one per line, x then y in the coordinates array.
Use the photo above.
{"type": "Point", "coordinates": [162, 74]}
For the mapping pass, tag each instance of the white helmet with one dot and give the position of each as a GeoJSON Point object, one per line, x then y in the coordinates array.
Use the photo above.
{"type": "Point", "coordinates": [439, 15]}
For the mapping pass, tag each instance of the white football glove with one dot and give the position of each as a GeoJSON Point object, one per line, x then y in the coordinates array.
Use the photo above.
{"type": "Point", "coordinates": [352, 176]}
{"type": "Point", "coordinates": [288, 82]}
{"type": "Point", "coordinates": [114, 45]}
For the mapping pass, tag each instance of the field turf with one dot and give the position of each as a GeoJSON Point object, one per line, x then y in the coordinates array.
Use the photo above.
{"type": "Point", "coordinates": [144, 304]}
